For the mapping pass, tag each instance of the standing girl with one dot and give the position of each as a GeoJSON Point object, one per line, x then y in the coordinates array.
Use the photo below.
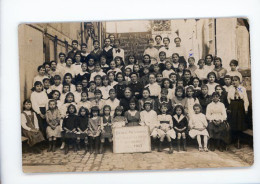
{"type": "Point", "coordinates": [82, 128]}
{"type": "Point", "coordinates": [106, 127]}
{"type": "Point", "coordinates": [39, 99]}
{"type": "Point", "coordinates": [132, 115]}
{"type": "Point", "coordinates": [238, 105]}
{"type": "Point", "coordinates": [30, 127]}
{"type": "Point", "coordinates": [198, 127]}
{"type": "Point", "coordinates": [94, 129]}
{"type": "Point", "coordinates": [53, 118]}
{"type": "Point", "coordinates": [180, 125]}
{"type": "Point", "coordinates": [119, 120]}
{"type": "Point", "coordinates": [69, 126]}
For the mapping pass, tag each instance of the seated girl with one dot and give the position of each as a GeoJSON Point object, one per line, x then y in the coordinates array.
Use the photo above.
{"type": "Point", "coordinates": [132, 115]}
{"type": "Point", "coordinates": [82, 127]}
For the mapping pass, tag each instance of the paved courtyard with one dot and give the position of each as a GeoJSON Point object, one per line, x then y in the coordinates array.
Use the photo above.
{"type": "Point", "coordinates": [78, 162]}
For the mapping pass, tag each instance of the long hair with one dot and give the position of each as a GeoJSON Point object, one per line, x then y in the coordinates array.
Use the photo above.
{"type": "Point", "coordinates": [27, 101]}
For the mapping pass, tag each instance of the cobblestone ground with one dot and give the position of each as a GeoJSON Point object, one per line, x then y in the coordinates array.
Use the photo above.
{"type": "Point", "coordinates": [78, 162]}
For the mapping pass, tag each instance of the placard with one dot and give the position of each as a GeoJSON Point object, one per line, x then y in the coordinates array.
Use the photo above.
{"type": "Point", "coordinates": [131, 139]}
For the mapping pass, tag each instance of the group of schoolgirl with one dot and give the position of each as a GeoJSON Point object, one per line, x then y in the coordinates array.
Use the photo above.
{"type": "Point", "coordinates": [100, 90]}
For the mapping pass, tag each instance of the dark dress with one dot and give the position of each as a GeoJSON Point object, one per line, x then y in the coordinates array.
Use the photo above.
{"type": "Point", "coordinates": [107, 125]}
{"type": "Point", "coordinates": [95, 55]}
{"type": "Point", "coordinates": [120, 88]}
{"type": "Point", "coordinates": [79, 77]}
{"type": "Point", "coordinates": [82, 124]}
{"type": "Point", "coordinates": [180, 123]}
{"type": "Point", "coordinates": [132, 120]}
{"type": "Point", "coordinates": [237, 117]}
{"type": "Point", "coordinates": [33, 137]}
{"type": "Point", "coordinates": [72, 53]}
{"type": "Point", "coordinates": [204, 101]}
{"type": "Point", "coordinates": [124, 102]}
{"type": "Point", "coordinates": [137, 89]}
{"type": "Point", "coordinates": [220, 131]}
{"type": "Point", "coordinates": [69, 122]}
{"type": "Point", "coordinates": [108, 54]}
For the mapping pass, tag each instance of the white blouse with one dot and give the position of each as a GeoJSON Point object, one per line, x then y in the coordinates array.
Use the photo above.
{"type": "Point", "coordinates": [149, 118]}
{"type": "Point", "coordinates": [105, 91]}
{"type": "Point", "coordinates": [113, 105]}
{"type": "Point", "coordinates": [165, 117]}
{"type": "Point", "coordinates": [154, 88]}
{"type": "Point", "coordinates": [242, 95]}
{"type": "Point", "coordinates": [94, 74]}
{"type": "Point", "coordinates": [153, 53]}
{"type": "Point", "coordinates": [198, 121]}
{"type": "Point", "coordinates": [235, 73]}
{"type": "Point", "coordinates": [166, 73]}
{"type": "Point", "coordinates": [216, 111]}
{"type": "Point", "coordinates": [39, 99]}
{"type": "Point", "coordinates": [211, 87]}
{"type": "Point", "coordinates": [24, 120]}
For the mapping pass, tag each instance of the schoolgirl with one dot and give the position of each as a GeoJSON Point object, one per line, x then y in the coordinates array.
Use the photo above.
{"type": "Point", "coordinates": [175, 61]}
{"type": "Point", "coordinates": [112, 101]}
{"type": "Point", "coordinates": [163, 100]}
{"type": "Point", "coordinates": [106, 127]}
{"type": "Point", "coordinates": [167, 84]}
{"type": "Point", "coordinates": [209, 63]}
{"type": "Point", "coordinates": [98, 71]}
{"type": "Point", "coordinates": [53, 130]}
{"type": "Point", "coordinates": [77, 63]}
{"type": "Point", "coordinates": [219, 70]}
{"type": "Point", "coordinates": [168, 69]}
{"type": "Point", "coordinates": [131, 62]}
{"type": "Point", "coordinates": [154, 88]}
{"type": "Point", "coordinates": [196, 87]}
{"type": "Point", "coordinates": [103, 64]}
{"type": "Point", "coordinates": [228, 83]}
{"type": "Point", "coordinates": [113, 68]}
{"type": "Point", "coordinates": [165, 129]}
{"type": "Point", "coordinates": [83, 73]}
{"type": "Point", "coordinates": [132, 115]}
{"type": "Point", "coordinates": [198, 127]}
{"type": "Point", "coordinates": [234, 72]}
{"type": "Point", "coordinates": [191, 101]}
{"type": "Point", "coordinates": [179, 98]}
{"type": "Point", "coordinates": [118, 51]}
{"type": "Point", "coordinates": [82, 128]}
{"type": "Point", "coordinates": [108, 50]}
{"type": "Point", "coordinates": [146, 61]}
{"type": "Point", "coordinates": [98, 101]}
{"type": "Point", "coordinates": [218, 126]}
{"type": "Point", "coordinates": [57, 83]}
{"type": "Point", "coordinates": [65, 91]}
{"type": "Point", "coordinates": [96, 52]}
{"type": "Point", "coordinates": [202, 72]}
{"type": "Point", "coordinates": [77, 93]}
{"type": "Point", "coordinates": [180, 125]}
{"type": "Point", "coordinates": [41, 74]}
{"type": "Point", "coordinates": [120, 86]}
{"type": "Point", "coordinates": [69, 127]}
{"type": "Point", "coordinates": [127, 73]}
{"type": "Point", "coordinates": [119, 63]}
{"type": "Point", "coordinates": [91, 91]}
{"type": "Point", "coordinates": [94, 129]}
{"type": "Point", "coordinates": [30, 126]}
{"type": "Point", "coordinates": [55, 95]}
{"type": "Point", "coordinates": [192, 67]}
{"type": "Point", "coordinates": [68, 80]}
{"type": "Point", "coordinates": [68, 67]}
{"type": "Point", "coordinates": [84, 102]}
{"type": "Point", "coordinates": [39, 99]}
{"type": "Point", "coordinates": [238, 105]}
{"type": "Point", "coordinates": [91, 65]}
{"type": "Point", "coordinates": [222, 95]}
{"type": "Point", "coordinates": [69, 99]}
{"type": "Point", "coordinates": [148, 117]}
{"type": "Point", "coordinates": [111, 78]}
{"type": "Point", "coordinates": [152, 51]}
{"type": "Point", "coordinates": [118, 119]}
{"type": "Point", "coordinates": [98, 81]}
{"type": "Point", "coordinates": [211, 82]}
{"type": "Point", "coordinates": [146, 96]}
{"type": "Point", "coordinates": [204, 98]}
{"type": "Point", "coordinates": [105, 88]}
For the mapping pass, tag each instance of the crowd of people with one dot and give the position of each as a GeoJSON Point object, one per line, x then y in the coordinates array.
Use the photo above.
{"type": "Point", "coordinates": [83, 96]}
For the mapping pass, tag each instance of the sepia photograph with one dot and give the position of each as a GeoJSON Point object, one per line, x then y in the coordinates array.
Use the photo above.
{"type": "Point", "coordinates": [135, 95]}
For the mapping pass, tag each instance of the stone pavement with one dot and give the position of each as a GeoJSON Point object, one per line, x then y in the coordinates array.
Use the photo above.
{"type": "Point", "coordinates": [78, 162]}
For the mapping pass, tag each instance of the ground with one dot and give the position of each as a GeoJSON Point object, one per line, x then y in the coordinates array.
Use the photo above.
{"type": "Point", "coordinates": [78, 162]}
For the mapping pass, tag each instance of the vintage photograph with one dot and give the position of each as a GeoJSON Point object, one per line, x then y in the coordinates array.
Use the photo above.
{"type": "Point", "coordinates": [135, 95]}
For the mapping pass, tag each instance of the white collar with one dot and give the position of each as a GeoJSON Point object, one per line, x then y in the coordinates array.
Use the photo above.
{"type": "Point", "coordinates": [178, 119]}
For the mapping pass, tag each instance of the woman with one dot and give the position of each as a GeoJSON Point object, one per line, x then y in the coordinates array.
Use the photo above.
{"type": "Point", "coordinates": [219, 71]}
{"type": "Point", "coordinates": [152, 51]}
{"type": "Point", "coordinates": [108, 51]}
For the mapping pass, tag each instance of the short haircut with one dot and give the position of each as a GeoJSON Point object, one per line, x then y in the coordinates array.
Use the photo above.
{"type": "Point", "coordinates": [162, 52]}
{"type": "Point", "coordinates": [234, 62]}
{"type": "Point", "coordinates": [158, 36]}
{"type": "Point", "coordinates": [166, 38]}
{"type": "Point", "coordinates": [95, 41]}
{"type": "Point", "coordinates": [84, 44]}
{"type": "Point", "coordinates": [40, 67]}
{"type": "Point", "coordinates": [75, 41]}
{"type": "Point", "coordinates": [211, 73]}
{"type": "Point", "coordinates": [62, 54]}
{"type": "Point", "coordinates": [177, 38]}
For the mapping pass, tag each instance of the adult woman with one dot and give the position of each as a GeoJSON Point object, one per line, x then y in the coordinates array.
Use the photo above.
{"type": "Point", "coordinates": [152, 51]}
{"type": "Point", "coordinates": [219, 71]}
{"type": "Point", "coordinates": [125, 101]}
{"type": "Point", "coordinates": [108, 51]}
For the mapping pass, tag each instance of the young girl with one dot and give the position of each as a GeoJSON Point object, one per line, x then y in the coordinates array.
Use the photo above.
{"type": "Point", "coordinates": [46, 87]}
{"type": "Point", "coordinates": [105, 88]}
{"type": "Point", "coordinates": [222, 95]}
{"type": "Point", "coordinates": [228, 83]}
{"type": "Point", "coordinates": [202, 72]}
{"type": "Point", "coordinates": [238, 105]}
{"type": "Point", "coordinates": [127, 73]}
{"type": "Point", "coordinates": [208, 63]}
{"type": "Point", "coordinates": [118, 51]}
{"type": "Point", "coordinates": [82, 128]}
{"type": "Point", "coordinates": [180, 125]}
{"type": "Point", "coordinates": [119, 120]}
{"type": "Point", "coordinates": [55, 95]}
{"type": "Point", "coordinates": [91, 90]}
{"type": "Point", "coordinates": [69, 99]}
{"type": "Point", "coordinates": [179, 98]}
{"type": "Point", "coordinates": [120, 86]}
{"type": "Point", "coordinates": [68, 67]}
{"type": "Point", "coordinates": [113, 68]}
{"type": "Point", "coordinates": [119, 63]}
{"type": "Point", "coordinates": [103, 64]}
{"type": "Point", "coordinates": [159, 78]}
{"type": "Point", "coordinates": [30, 127]}
{"type": "Point", "coordinates": [98, 101]}
{"type": "Point", "coordinates": [173, 79]}
{"type": "Point", "coordinates": [96, 52]}
{"type": "Point", "coordinates": [91, 65]}
{"type": "Point", "coordinates": [165, 128]}
{"type": "Point", "coordinates": [39, 99]}
{"type": "Point", "coordinates": [145, 76]}
{"type": "Point", "coordinates": [68, 80]}
{"type": "Point", "coordinates": [218, 127]}
{"type": "Point", "coordinates": [161, 63]}
{"type": "Point", "coordinates": [198, 127]}
{"type": "Point", "coordinates": [168, 69]}
{"type": "Point", "coordinates": [163, 100]}
{"type": "Point", "coordinates": [84, 102]}
{"type": "Point", "coordinates": [204, 98]}
{"type": "Point", "coordinates": [69, 127]}
{"type": "Point", "coordinates": [53, 118]}
{"type": "Point", "coordinates": [192, 67]}
{"type": "Point", "coordinates": [98, 81]}
{"type": "Point", "coordinates": [83, 73]}
{"type": "Point", "coordinates": [111, 78]}
{"type": "Point", "coordinates": [196, 86]}
{"type": "Point", "coordinates": [180, 70]}
{"type": "Point", "coordinates": [146, 61]}
{"type": "Point", "coordinates": [175, 61]}
{"type": "Point", "coordinates": [106, 127]}
{"type": "Point", "coordinates": [219, 70]}
{"type": "Point", "coordinates": [94, 129]}
{"type": "Point", "coordinates": [148, 117]}
{"type": "Point", "coordinates": [146, 96]}
{"type": "Point", "coordinates": [131, 62]}
{"type": "Point", "coordinates": [211, 83]}
{"type": "Point", "coordinates": [136, 69]}
{"type": "Point", "coordinates": [154, 88]}
{"type": "Point", "coordinates": [191, 101]}
{"type": "Point", "coordinates": [98, 71]}
{"type": "Point", "coordinates": [65, 91]}
{"type": "Point", "coordinates": [187, 78]}
{"type": "Point", "coordinates": [41, 74]}
{"type": "Point", "coordinates": [57, 83]}
{"type": "Point", "coordinates": [167, 84]}
{"type": "Point", "coordinates": [77, 93]}
{"type": "Point", "coordinates": [234, 72]}
{"type": "Point", "coordinates": [152, 51]}
{"type": "Point", "coordinates": [77, 64]}
{"type": "Point", "coordinates": [132, 115]}
{"type": "Point", "coordinates": [112, 101]}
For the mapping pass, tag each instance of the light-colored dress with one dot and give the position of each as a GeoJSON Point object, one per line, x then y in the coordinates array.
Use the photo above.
{"type": "Point", "coordinates": [150, 119]}
{"type": "Point", "coordinates": [53, 118]}
{"type": "Point", "coordinates": [198, 121]}
{"type": "Point", "coordinates": [166, 126]}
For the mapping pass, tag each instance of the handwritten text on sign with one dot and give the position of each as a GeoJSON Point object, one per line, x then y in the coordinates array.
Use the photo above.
{"type": "Point", "coordinates": [131, 139]}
